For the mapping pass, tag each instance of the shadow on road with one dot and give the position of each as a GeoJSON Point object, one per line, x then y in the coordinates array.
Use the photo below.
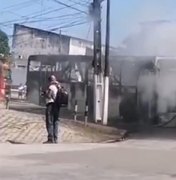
{"type": "Point", "coordinates": [154, 133]}
{"type": "Point", "coordinates": [23, 106]}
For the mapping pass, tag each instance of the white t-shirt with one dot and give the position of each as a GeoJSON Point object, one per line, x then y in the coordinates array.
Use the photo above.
{"type": "Point", "coordinates": [54, 90]}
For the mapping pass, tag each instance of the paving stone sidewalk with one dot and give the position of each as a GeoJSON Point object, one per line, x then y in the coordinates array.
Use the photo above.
{"type": "Point", "coordinates": [23, 127]}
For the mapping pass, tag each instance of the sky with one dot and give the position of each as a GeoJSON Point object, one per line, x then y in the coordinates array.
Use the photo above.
{"type": "Point", "coordinates": [126, 16]}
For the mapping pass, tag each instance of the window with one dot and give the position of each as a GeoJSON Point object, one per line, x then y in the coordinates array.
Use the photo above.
{"type": "Point", "coordinates": [34, 66]}
{"type": "Point", "coordinates": [58, 66]}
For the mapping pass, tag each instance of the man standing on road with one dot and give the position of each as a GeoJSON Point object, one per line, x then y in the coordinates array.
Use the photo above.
{"type": "Point", "coordinates": [52, 110]}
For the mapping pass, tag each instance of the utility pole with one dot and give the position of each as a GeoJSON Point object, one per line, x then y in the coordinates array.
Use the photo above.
{"type": "Point", "coordinates": [98, 79]}
{"type": "Point", "coordinates": [106, 71]}
{"type": "Point", "coordinates": [60, 41]}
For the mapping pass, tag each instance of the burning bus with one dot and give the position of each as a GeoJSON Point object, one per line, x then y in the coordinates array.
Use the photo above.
{"type": "Point", "coordinates": [157, 91]}
{"type": "Point", "coordinates": [147, 90]}
{"type": "Point", "coordinates": [142, 89]}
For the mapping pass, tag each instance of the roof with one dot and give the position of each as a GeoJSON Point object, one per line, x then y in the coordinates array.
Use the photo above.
{"type": "Point", "coordinates": [49, 32]}
{"type": "Point", "coordinates": [82, 58]}
{"type": "Point", "coordinates": [61, 58]}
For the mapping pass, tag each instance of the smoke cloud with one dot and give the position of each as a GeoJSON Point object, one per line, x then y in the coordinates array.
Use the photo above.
{"type": "Point", "coordinates": [159, 88]}
{"type": "Point", "coordinates": [157, 39]}
{"type": "Point", "coordinates": [154, 39]}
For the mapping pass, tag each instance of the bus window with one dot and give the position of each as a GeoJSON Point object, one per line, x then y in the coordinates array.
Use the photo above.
{"type": "Point", "coordinates": [167, 65]}
{"type": "Point", "coordinates": [58, 66]}
{"type": "Point", "coordinates": [34, 66]}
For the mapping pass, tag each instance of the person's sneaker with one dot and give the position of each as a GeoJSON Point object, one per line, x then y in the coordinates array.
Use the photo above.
{"type": "Point", "coordinates": [48, 142]}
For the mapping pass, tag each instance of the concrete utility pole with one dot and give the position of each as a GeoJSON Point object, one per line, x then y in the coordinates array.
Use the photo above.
{"type": "Point", "coordinates": [98, 79]}
{"type": "Point", "coordinates": [106, 71]}
{"type": "Point", "coordinates": [60, 39]}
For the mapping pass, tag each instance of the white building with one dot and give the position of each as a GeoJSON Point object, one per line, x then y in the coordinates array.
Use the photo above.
{"type": "Point", "coordinates": [31, 41]}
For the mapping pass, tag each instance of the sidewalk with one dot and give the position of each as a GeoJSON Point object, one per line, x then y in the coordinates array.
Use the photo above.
{"type": "Point", "coordinates": [24, 127]}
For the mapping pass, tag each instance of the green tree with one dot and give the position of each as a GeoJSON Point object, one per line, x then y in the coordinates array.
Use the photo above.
{"type": "Point", "coordinates": [4, 46]}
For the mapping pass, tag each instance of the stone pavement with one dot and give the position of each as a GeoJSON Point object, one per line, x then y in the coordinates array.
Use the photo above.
{"type": "Point", "coordinates": [23, 127]}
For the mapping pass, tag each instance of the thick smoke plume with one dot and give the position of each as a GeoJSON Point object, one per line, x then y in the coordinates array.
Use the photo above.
{"type": "Point", "coordinates": [157, 39]}
{"type": "Point", "coordinates": [162, 84]}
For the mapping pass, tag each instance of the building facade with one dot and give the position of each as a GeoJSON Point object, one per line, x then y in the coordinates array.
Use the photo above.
{"type": "Point", "coordinates": [31, 41]}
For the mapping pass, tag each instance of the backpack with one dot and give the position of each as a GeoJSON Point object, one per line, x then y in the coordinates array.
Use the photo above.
{"type": "Point", "coordinates": [61, 99]}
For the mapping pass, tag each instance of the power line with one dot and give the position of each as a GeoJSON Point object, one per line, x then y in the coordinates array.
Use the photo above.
{"type": "Point", "coordinates": [19, 5]}
{"type": "Point", "coordinates": [53, 18]}
{"type": "Point", "coordinates": [71, 7]}
{"type": "Point", "coordinates": [88, 33]}
{"type": "Point", "coordinates": [66, 20]}
{"type": "Point", "coordinates": [14, 5]}
{"type": "Point", "coordinates": [84, 1]}
{"type": "Point", "coordinates": [37, 14]}
{"type": "Point", "coordinates": [69, 25]}
{"type": "Point", "coordinates": [64, 26]}
{"type": "Point", "coordinates": [79, 3]}
{"type": "Point", "coordinates": [51, 11]}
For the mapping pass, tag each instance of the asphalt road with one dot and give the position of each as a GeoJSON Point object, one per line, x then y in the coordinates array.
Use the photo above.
{"type": "Point", "coordinates": [129, 160]}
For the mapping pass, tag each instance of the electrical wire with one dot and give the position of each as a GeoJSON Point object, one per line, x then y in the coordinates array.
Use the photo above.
{"type": "Point", "coordinates": [19, 5]}
{"type": "Point", "coordinates": [88, 33]}
{"type": "Point", "coordinates": [86, 2]}
{"type": "Point", "coordinates": [53, 18]}
{"type": "Point", "coordinates": [28, 17]}
{"type": "Point", "coordinates": [68, 25]}
{"type": "Point", "coordinates": [64, 26]}
{"type": "Point", "coordinates": [62, 17]}
{"type": "Point", "coordinates": [70, 20]}
{"type": "Point", "coordinates": [38, 14]}
{"type": "Point", "coordinates": [71, 7]}
{"type": "Point", "coordinates": [79, 3]}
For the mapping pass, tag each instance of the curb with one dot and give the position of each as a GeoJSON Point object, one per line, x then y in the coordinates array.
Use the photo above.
{"type": "Point", "coordinates": [98, 127]}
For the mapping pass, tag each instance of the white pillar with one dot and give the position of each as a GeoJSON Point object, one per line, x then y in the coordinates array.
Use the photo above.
{"type": "Point", "coordinates": [106, 100]}
{"type": "Point", "coordinates": [98, 97]}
